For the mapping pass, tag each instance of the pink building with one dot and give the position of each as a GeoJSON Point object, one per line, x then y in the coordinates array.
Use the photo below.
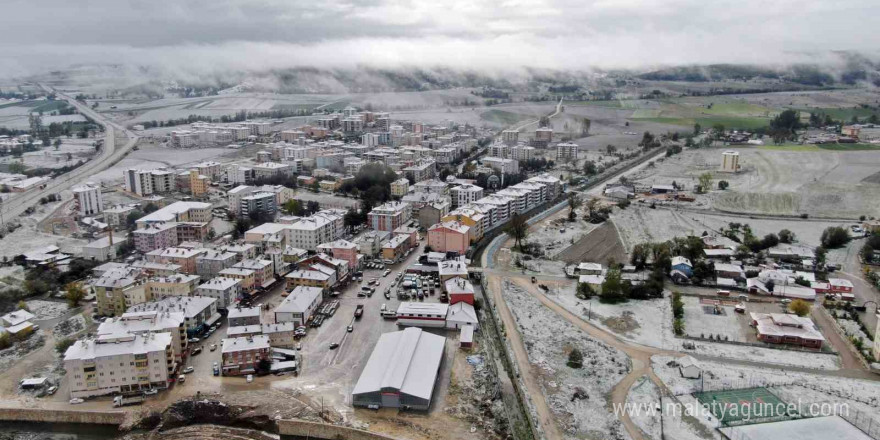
{"type": "Point", "coordinates": [390, 216]}
{"type": "Point", "coordinates": [450, 236]}
{"type": "Point", "coordinates": [155, 236]}
{"type": "Point", "coordinates": [342, 250]}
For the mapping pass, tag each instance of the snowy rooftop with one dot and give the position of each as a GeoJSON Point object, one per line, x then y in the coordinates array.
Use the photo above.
{"type": "Point", "coordinates": [219, 283]}
{"type": "Point", "coordinates": [113, 345]}
{"type": "Point", "coordinates": [231, 345]}
{"type": "Point", "coordinates": [407, 360]}
{"type": "Point", "coordinates": [299, 300]}
{"type": "Point", "coordinates": [170, 212]}
{"type": "Point", "coordinates": [243, 312]}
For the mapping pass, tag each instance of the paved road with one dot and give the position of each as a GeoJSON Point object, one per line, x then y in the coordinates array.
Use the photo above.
{"type": "Point", "coordinates": [109, 155]}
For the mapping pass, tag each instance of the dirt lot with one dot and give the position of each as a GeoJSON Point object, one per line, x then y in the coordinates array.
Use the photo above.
{"type": "Point", "coordinates": [602, 245]}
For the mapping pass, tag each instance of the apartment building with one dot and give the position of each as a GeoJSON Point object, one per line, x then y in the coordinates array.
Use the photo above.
{"type": "Point", "coordinates": [179, 212]}
{"type": "Point", "coordinates": [322, 227]}
{"type": "Point", "coordinates": [269, 170]}
{"type": "Point", "coordinates": [183, 257]}
{"type": "Point", "coordinates": [450, 236]}
{"type": "Point", "coordinates": [543, 137]}
{"type": "Point", "coordinates": [280, 334]}
{"type": "Point", "coordinates": [342, 250]}
{"type": "Point", "coordinates": [400, 187]}
{"type": "Point", "coordinates": [510, 137]}
{"type": "Point", "coordinates": [88, 199]}
{"type": "Point", "coordinates": [117, 215]}
{"type": "Point", "coordinates": [198, 311]}
{"type": "Point", "coordinates": [155, 236]}
{"type": "Point", "coordinates": [244, 316]}
{"type": "Point", "coordinates": [506, 166]}
{"type": "Point", "coordinates": [422, 171]}
{"type": "Point", "coordinates": [390, 216]}
{"type": "Point", "coordinates": [115, 292]}
{"type": "Point", "coordinates": [522, 153]}
{"type": "Point", "coordinates": [240, 356]}
{"type": "Point", "coordinates": [210, 263]}
{"type": "Point", "coordinates": [464, 194]}
{"type": "Point", "coordinates": [566, 151]}
{"type": "Point", "coordinates": [264, 271]}
{"type": "Point", "coordinates": [173, 285]}
{"type": "Point", "coordinates": [299, 305]}
{"type": "Point", "coordinates": [224, 290]}
{"type": "Point", "coordinates": [118, 363]}
{"type": "Point", "coordinates": [150, 322]}
{"type": "Point", "coordinates": [246, 277]}
{"type": "Point", "coordinates": [259, 202]}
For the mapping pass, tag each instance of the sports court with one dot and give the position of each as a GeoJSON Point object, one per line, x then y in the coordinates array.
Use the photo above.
{"type": "Point", "coordinates": [750, 404]}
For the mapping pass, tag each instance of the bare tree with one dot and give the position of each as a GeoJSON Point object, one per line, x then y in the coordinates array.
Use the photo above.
{"type": "Point", "coordinates": [518, 228]}
{"type": "Point", "coordinates": [574, 202]}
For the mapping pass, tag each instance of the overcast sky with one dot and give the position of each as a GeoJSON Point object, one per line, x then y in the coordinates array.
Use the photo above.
{"type": "Point", "coordinates": [213, 35]}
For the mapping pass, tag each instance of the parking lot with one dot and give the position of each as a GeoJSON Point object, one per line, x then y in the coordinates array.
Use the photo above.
{"type": "Point", "coordinates": [323, 372]}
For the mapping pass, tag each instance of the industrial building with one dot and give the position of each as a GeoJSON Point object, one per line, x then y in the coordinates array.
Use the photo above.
{"type": "Point", "coordinates": [401, 371]}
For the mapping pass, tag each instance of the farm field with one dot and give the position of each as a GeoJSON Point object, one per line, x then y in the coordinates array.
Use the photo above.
{"type": "Point", "coordinates": [810, 180]}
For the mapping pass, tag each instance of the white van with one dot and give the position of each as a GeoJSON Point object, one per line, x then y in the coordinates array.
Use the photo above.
{"type": "Point", "coordinates": [383, 308]}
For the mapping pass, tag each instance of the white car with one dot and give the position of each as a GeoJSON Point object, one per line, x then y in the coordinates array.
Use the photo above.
{"type": "Point", "coordinates": [76, 401]}
{"type": "Point", "coordinates": [188, 370]}
{"type": "Point", "coordinates": [151, 392]}
{"type": "Point", "coordinates": [250, 378]}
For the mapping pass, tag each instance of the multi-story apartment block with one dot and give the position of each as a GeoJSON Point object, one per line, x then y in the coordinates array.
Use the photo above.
{"type": "Point", "coordinates": [269, 170]}
{"type": "Point", "coordinates": [400, 187]}
{"type": "Point", "coordinates": [139, 182]}
{"type": "Point", "coordinates": [543, 137]}
{"type": "Point", "coordinates": [308, 233]}
{"type": "Point", "coordinates": [431, 187]}
{"type": "Point", "coordinates": [510, 137]}
{"type": "Point", "coordinates": [464, 194]}
{"type": "Point", "coordinates": [499, 150]}
{"type": "Point", "coordinates": [506, 166]}
{"type": "Point", "coordinates": [179, 212]}
{"type": "Point", "coordinates": [150, 322]}
{"type": "Point", "coordinates": [449, 237]}
{"type": "Point", "coordinates": [264, 271]}
{"type": "Point", "coordinates": [209, 264]}
{"type": "Point", "coordinates": [185, 258]}
{"type": "Point", "coordinates": [522, 153]}
{"type": "Point", "coordinates": [259, 202]}
{"type": "Point", "coordinates": [224, 290]}
{"type": "Point", "coordinates": [245, 277]}
{"type": "Point", "coordinates": [173, 285]}
{"type": "Point", "coordinates": [341, 249]}
{"type": "Point", "coordinates": [198, 311]}
{"type": "Point", "coordinates": [566, 151]}
{"type": "Point", "coordinates": [117, 215]}
{"type": "Point", "coordinates": [390, 216]}
{"type": "Point", "coordinates": [155, 236]}
{"type": "Point", "coordinates": [299, 305]}
{"type": "Point", "coordinates": [118, 363]}
{"type": "Point", "coordinates": [88, 199]}
{"type": "Point", "coordinates": [422, 171]}
{"type": "Point", "coordinates": [240, 356]}
{"type": "Point", "coordinates": [115, 292]}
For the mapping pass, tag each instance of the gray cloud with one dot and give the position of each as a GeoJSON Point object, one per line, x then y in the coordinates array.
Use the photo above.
{"type": "Point", "coordinates": [202, 37]}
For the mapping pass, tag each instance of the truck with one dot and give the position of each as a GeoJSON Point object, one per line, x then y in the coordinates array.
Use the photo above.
{"type": "Point", "coordinates": [128, 400]}
{"type": "Point", "coordinates": [359, 311]}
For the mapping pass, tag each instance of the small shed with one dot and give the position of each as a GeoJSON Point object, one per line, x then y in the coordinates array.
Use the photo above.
{"type": "Point", "coordinates": [466, 338]}
{"type": "Point", "coordinates": [689, 368]}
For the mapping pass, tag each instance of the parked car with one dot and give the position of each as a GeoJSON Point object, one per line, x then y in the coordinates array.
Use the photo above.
{"type": "Point", "coordinates": [334, 345]}
{"type": "Point", "coordinates": [350, 328]}
{"type": "Point", "coordinates": [151, 392]}
{"type": "Point", "coordinates": [52, 390]}
{"type": "Point", "coordinates": [250, 378]}
{"type": "Point", "coordinates": [181, 379]}
{"type": "Point", "coordinates": [196, 351]}
{"type": "Point", "coordinates": [213, 347]}
{"type": "Point", "coordinates": [188, 370]}
{"type": "Point", "coordinates": [76, 401]}
{"type": "Point", "coordinates": [299, 346]}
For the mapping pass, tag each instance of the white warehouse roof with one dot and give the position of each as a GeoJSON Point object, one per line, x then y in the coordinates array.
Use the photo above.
{"type": "Point", "coordinates": [407, 360]}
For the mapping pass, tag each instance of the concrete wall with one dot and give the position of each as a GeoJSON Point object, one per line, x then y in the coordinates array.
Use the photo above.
{"type": "Point", "coordinates": [298, 429]}
{"type": "Point", "coordinates": [61, 416]}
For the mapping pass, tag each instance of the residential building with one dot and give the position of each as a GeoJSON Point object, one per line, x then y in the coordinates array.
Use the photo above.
{"type": "Point", "coordinates": [174, 285]}
{"type": "Point", "coordinates": [400, 187]}
{"type": "Point", "coordinates": [308, 233]}
{"type": "Point", "coordinates": [150, 322]}
{"type": "Point", "coordinates": [184, 257]}
{"type": "Point", "coordinates": [423, 171]}
{"type": "Point", "coordinates": [155, 236]}
{"type": "Point", "coordinates": [449, 236]}
{"type": "Point", "coordinates": [224, 290]}
{"type": "Point", "coordinates": [240, 356]}
{"type": "Point", "coordinates": [431, 213]}
{"type": "Point", "coordinates": [370, 242]}
{"type": "Point", "coordinates": [510, 137]}
{"type": "Point", "coordinates": [299, 305]}
{"type": "Point", "coordinates": [431, 187]}
{"type": "Point", "coordinates": [242, 316]}
{"type": "Point", "coordinates": [265, 203]}
{"type": "Point", "coordinates": [235, 195]}
{"type": "Point", "coordinates": [465, 194]}
{"type": "Point", "coordinates": [264, 271]}
{"type": "Point", "coordinates": [117, 215]}
{"type": "Point", "coordinates": [783, 328]}
{"type": "Point", "coordinates": [566, 152]}
{"type": "Point", "coordinates": [521, 153]}
{"type": "Point", "coordinates": [246, 277]}
{"type": "Point", "coordinates": [341, 249]}
{"type": "Point", "coordinates": [118, 363]}
{"type": "Point", "coordinates": [308, 278]}
{"type": "Point", "coordinates": [281, 334]}
{"type": "Point", "coordinates": [198, 311]}
{"type": "Point", "coordinates": [543, 137]}
{"type": "Point", "coordinates": [401, 372]}
{"type": "Point", "coordinates": [729, 162]}
{"type": "Point", "coordinates": [116, 291]}
{"type": "Point", "coordinates": [102, 249]}
{"type": "Point", "coordinates": [395, 249]}
{"type": "Point", "coordinates": [390, 216]}
{"type": "Point", "coordinates": [179, 212]}
{"type": "Point", "coordinates": [210, 263]}
{"type": "Point", "coordinates": [269, 170]}
{"type": "Point", "coordinates": [505, 166]}
{"type": "Point", "coordinates": [88, 199]}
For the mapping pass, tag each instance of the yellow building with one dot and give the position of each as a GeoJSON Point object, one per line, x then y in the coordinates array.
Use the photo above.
{"type": "Point", "coordinates": [198, 184]}
{"type": "Point", "coordinates": [469, 217]}
{"type": "Point", "coordinates": [248, 277]}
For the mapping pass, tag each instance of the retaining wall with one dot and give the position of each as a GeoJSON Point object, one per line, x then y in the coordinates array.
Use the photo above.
{"type": "Point", "coordinates": [61, 416]}
{"type": "Point", "coordinates": [299, 429]}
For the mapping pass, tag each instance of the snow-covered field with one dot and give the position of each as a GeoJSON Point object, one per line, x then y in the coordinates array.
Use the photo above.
{"type": "Point", "coordinates": [773, 181]}
{"type": "Point", "coordinates": [644, 395]}
{"type": "Point", "coordinates": [550, 234]}
{"type": "Point", "coordinates": [650, 323]}
{"type": "Point", "coordinates": [70, 326]}
{"type": "Point", "coordinates": [549, 340]}
{"type": "Point", "coordinates": [698, 323]}
{"type": "Point", "coordinates": [639, 224]}
{"type": "Point", "coordinates": [150, 157]}
{"type": "Point", "coordinates": [44, 310]}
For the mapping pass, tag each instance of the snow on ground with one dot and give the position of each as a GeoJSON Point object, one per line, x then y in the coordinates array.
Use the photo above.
{"type": "Point", "coordinates": [644, 396]}
{"type": "Point", "coordinates": [13, 354]}
{"type": "Point", "coordinates": [548, 341]}
{"type": "Point", "coordinates": [25, 239]}
{"type": "Point", "coordinates": [70, 326]}
{"type": "Point", "coordinates": [149, 157]}
{"type": "Point", "coordinates": [650, 323]}
{"type": "Point", "coordinates": [44, 310]}
{"type": "Point", "coordinates": [803, 359]}
{"type": "Point", "coordinates": [699, 323]}
{"type": "Point", "coordinates": [551, 237]}
{"type": "Point", "coordinates": [862, 396]}
{"type": "Point", "coordinates": [645, 322]}
{"type": "Point", "coordinates": [544, 267]}
{"type": "Point", "coordinates": [639, 224]}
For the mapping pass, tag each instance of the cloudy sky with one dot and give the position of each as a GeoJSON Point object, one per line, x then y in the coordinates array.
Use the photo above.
{"type": "Point", "coordinates": [213, 35]}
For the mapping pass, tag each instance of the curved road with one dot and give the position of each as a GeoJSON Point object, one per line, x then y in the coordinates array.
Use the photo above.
{"type": "Point", "coordinates": [110, 154]}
